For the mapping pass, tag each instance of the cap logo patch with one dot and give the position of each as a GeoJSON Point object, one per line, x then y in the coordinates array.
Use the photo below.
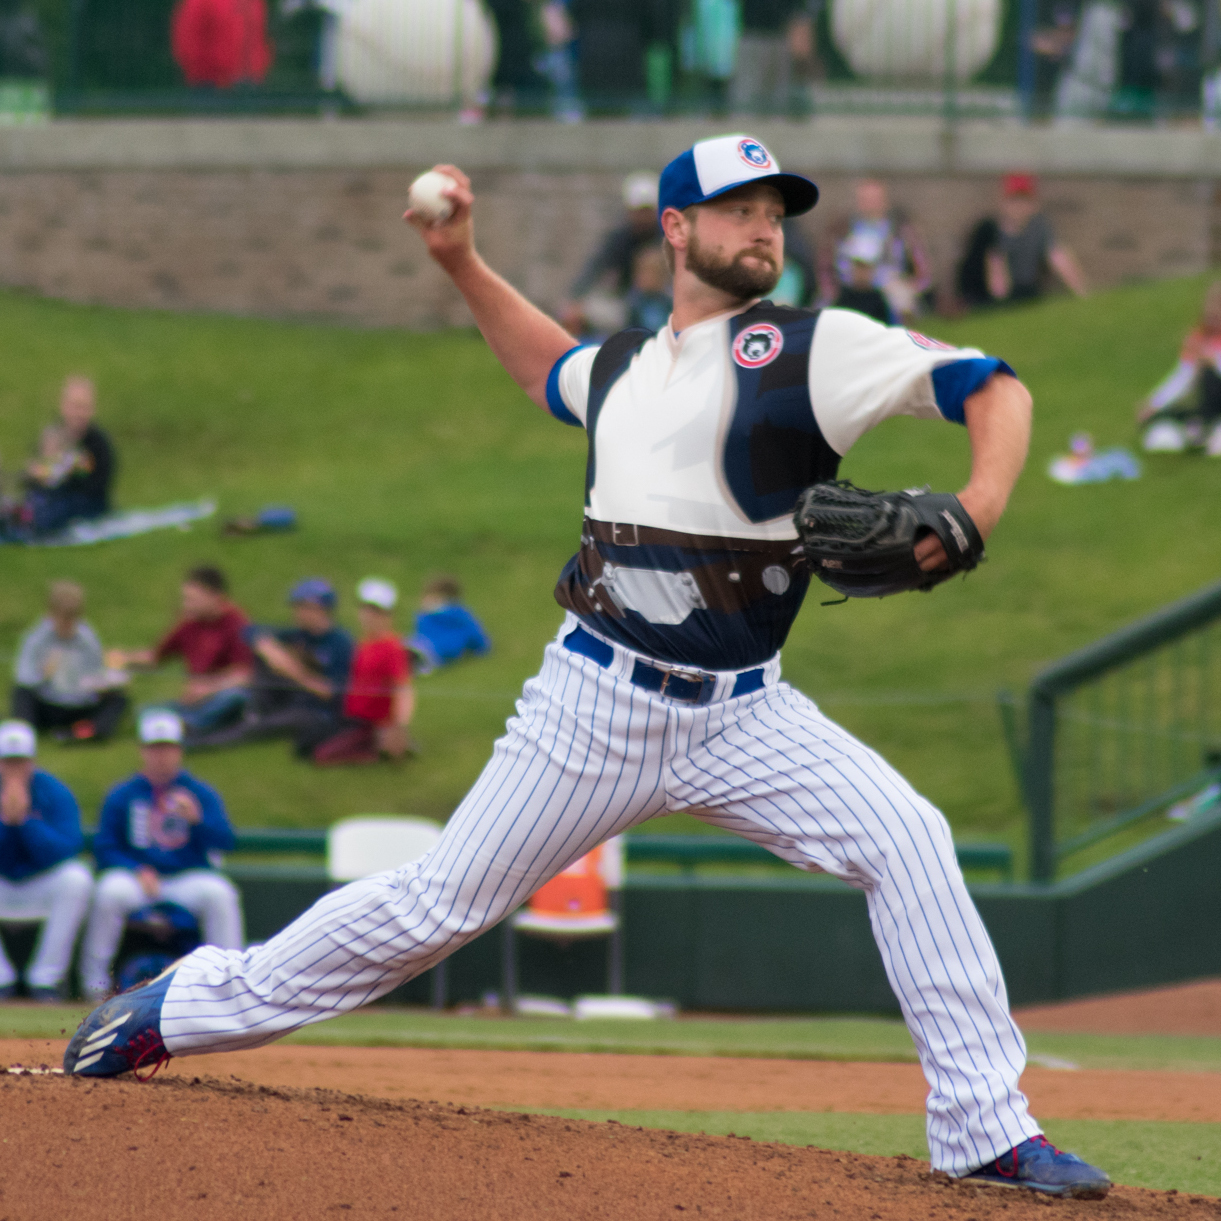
{"type": "Point", "coordinates": [758, 345]}
{"type": "Point", "coordinates": [755, 155]}
{"type": "Point", "coordinates": [933, 345]}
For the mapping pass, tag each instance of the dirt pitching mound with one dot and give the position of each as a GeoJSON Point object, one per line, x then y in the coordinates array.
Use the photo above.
{"type": "Point", "coordinates": [1189, 1009]}
{"type": "Point", "coordinates": [199, 1148]}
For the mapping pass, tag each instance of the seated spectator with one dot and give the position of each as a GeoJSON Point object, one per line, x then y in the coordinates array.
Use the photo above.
{"type": "Point", "coordinates": [444, 629]}
{"type": "Point", "coordinates": [70, 479]}
{"type": "Point", "coordinates": [300, 674]}
{"type": "Point", "coordinates": [649, 302]}
{"type": "Point", "coordinates": [861, 293]}
{"type": "Point", "coordinates": [596, 298]}
{"type": "Point", "coordinates": [380, 699]}
{"type": "Point", "coordinates": [1016, 250]}
{"type": "Point", "coordinates": [63, 683]}
{"type": "Point", "coordinates": [155, 841]}
{"type": "Point", "coordinates": [40, 834]}
{"type": "Point", "coordinates": [209, 639]}
{"type": "Point", "coordinates": [1184, 410]}
{"type": "Point", "coordinates": [902, 271]}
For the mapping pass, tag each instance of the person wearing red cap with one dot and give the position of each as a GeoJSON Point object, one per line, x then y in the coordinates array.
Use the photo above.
{"type": "Point", "coordinates": [1026, 246]}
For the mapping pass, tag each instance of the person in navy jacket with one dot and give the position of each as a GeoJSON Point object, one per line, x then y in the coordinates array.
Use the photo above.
{"type": "Point", "coordinates": [40, 834]}
{"type": "Point", "coordinates": [157, 839]}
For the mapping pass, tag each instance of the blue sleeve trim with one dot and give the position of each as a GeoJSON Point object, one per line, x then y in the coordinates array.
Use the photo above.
{"type": "Point", "coordinates": [555, 404]}
{"type": "Point", "coordinates": [955, 382]}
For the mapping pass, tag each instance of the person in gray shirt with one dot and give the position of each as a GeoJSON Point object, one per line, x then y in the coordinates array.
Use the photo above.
{"type": "Point", "coordinates": [1025, 246]}
{"type": "Point", "coordinates": [62, 681]}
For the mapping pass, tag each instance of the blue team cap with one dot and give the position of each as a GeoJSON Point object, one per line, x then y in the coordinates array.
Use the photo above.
{"type": "Point", "coordinates": [715, 166]}
{"type": "Point", "coordinates": [313, 589]}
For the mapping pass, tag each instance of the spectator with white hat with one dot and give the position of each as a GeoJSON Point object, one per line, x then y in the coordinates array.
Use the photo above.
{"type": "Point", "coordinates": [863, 251]}
{"type": "Point", "coordinates": [380, 699]}
{"type": "Point", "coordinates": [597, 300]}
{"type": "Point", "coordinates": [40, 881]}
{"type": "Point", "coordinates": [157, 839]}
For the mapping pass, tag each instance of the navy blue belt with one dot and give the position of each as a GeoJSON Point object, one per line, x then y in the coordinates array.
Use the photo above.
{"type": "Point", "coordinates": [687, 686]}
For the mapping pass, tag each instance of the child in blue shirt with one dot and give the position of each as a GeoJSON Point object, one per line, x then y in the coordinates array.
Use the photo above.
{"type": "Point", "coordinates": [444, 629]}
{"type": "Point", "coordinates": [40, 833]}
{"type": "Point", "coordinates": [157, 838]}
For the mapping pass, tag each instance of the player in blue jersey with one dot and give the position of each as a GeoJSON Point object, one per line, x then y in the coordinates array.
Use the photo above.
{"type": "Point", "coordinates": [662, 688]}
{"type": "Point", "coordinates": [40, 879]}
{"type": "Point", "coordinates": [156, 840]}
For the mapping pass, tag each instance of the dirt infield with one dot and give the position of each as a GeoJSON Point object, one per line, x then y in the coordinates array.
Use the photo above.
{"type": "Point", "coordinates": [283, 1142]}
{"type": "Point", "coordinates": [569, 1081]}
{"type": "Point", "coordinates": [1186, 1009]}
{"type": "Point", "coordinates": [198, 1148]}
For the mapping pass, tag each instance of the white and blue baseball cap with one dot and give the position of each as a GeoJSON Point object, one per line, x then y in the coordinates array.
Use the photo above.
{"type": "Point", "coordinates": [713, 167]}
{"type": "Point", "coordinates": [160, 726]}
{"type": "Point", "coordinates": [17, 740]}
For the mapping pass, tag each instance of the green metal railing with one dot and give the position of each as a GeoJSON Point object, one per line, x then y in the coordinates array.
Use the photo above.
{"type": "Point", "coordinates": [1118, 730]}
{"type": "Point", "coordinates": [686, 851]}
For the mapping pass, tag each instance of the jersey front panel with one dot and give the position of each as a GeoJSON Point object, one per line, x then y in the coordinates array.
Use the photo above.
{"type": "Point", "coordinates": [699, 447]}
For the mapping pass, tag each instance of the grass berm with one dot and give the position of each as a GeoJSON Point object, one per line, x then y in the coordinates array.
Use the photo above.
{"type": "Point", "coordinates": [407, 454]}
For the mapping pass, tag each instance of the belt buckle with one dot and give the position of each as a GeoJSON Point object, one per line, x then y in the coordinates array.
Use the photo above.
{"type": "Point", "coordinates": [705, 682]}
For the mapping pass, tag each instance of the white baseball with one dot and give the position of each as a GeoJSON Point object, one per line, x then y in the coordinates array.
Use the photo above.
{"type": "Point", "coordinates": [425, 196]}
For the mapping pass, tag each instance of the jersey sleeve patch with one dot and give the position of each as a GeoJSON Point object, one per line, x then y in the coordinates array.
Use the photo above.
{"type": "Point", "coordinates": [955, 382]}
{"type": "Point", "coordinates": [555, 391]}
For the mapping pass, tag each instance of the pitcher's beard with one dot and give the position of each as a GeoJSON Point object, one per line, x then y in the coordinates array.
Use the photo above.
{"type": "Point", "coordinates": [734, 277]}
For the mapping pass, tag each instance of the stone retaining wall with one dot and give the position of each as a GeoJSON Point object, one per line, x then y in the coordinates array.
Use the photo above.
{"type": "Point", "coordinates": [298, 239]}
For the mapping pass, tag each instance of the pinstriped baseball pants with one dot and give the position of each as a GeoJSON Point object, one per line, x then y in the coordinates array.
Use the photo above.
{"type": "Point", "coordinates": [589, 755]}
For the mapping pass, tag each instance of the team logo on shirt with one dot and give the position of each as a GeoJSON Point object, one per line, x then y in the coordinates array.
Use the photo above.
{"type": "Point", "coordinates": [754, 154]}
{"type": "Point", "coordinates": [933, 345]}
{"type": "Point", "coordinates": [758, 345]}
{"type": "Point", "coordinates": [162, 823]}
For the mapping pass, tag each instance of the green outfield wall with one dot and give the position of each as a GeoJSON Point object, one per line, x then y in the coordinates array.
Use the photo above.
{"type": "Point", "coordinates": [803, 944]}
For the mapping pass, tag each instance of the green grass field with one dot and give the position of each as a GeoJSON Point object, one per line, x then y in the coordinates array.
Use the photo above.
{"type": "Point", "coordinates": [800, 1038]}
{"type": "Point", "coordinates": [407, 454]}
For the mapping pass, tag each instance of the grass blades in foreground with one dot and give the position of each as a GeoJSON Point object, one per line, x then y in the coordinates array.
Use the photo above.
{"type": "Point", "coordinates": [814, 1038]}
{"type": "Point", "coordinates": [1164, 1156]}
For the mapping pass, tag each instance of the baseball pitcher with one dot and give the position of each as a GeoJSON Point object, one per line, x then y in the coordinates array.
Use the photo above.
{"type": "Point", "coordinates": [662, 689]}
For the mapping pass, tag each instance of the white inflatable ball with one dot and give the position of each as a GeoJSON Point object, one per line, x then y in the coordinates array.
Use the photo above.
{"type": "Point", "coordinates": [415, 52]}
{"type": "Point", "coordinates": [905, 40]}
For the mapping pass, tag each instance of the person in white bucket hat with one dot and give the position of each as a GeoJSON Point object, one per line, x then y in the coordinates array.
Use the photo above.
{"type": "Point", "coordinates": [40, 881]}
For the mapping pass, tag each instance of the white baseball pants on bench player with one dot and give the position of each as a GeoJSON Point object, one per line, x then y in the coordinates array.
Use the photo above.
{"type": "Point", "coordinates": [59, 898]}
{"type": "Point", "coordinates": [209, 896]}
{"type": "Point", "coordinates": [590, 755]}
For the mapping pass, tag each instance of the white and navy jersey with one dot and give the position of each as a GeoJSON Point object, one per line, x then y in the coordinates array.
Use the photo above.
{"type": "Point", "coordinates": [699, 445]}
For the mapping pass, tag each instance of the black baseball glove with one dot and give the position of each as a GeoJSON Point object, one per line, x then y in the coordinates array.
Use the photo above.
{"type": "Point", "coordinates": [863, 543]}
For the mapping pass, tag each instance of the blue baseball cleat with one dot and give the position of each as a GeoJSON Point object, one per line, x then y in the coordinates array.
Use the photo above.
{"type": "Point", "coordinates": [1037, 1165]}
{"type": "Point", "coordinates": [123, 1034]}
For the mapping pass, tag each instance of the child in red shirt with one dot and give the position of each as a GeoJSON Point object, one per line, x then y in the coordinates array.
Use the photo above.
{"type": "Point", "coordinates": [380, 699]}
